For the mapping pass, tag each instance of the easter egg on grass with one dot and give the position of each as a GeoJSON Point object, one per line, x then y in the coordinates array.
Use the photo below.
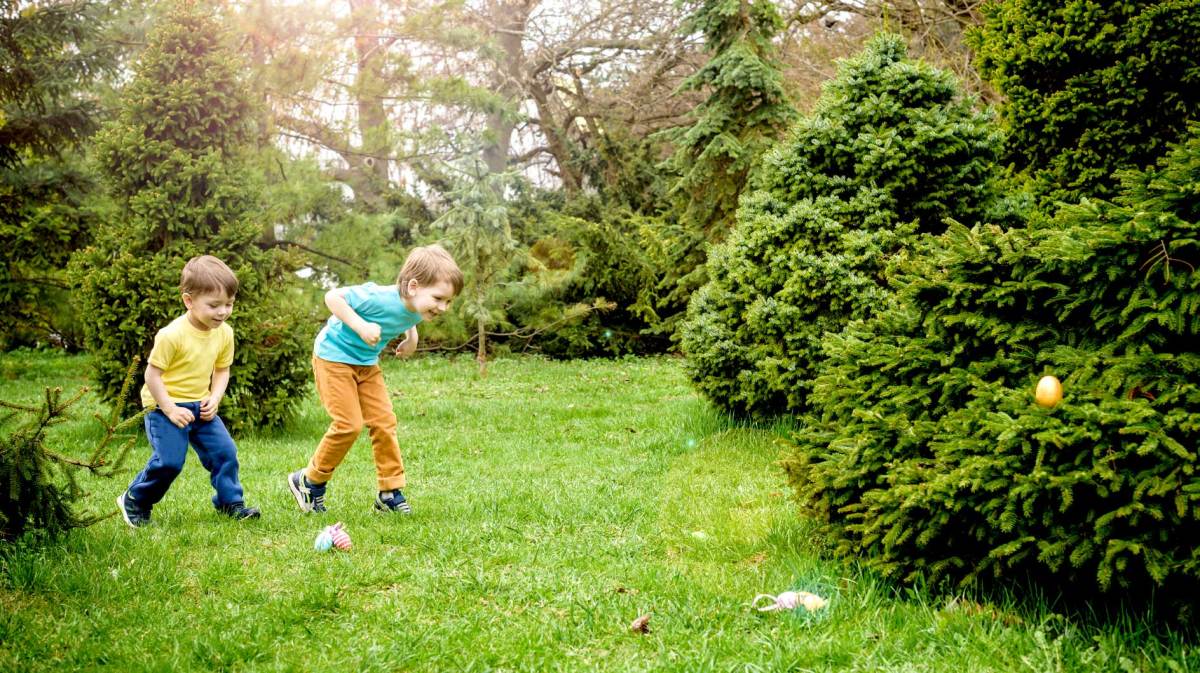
{"type": "Point", "coordinates": [323, 542]}
{"type": "Point", "coordinates": [1049, 392]}
{"type": "Point", "coordinates": [333, 537]}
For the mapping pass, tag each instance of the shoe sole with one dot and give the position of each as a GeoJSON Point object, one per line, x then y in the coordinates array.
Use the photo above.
{"type": "Point", "coordinates": [124, 514]}
{"type": "Point", "coordinates": [385, 510]}
{"type": "Point", "coordinates": [305, 507]}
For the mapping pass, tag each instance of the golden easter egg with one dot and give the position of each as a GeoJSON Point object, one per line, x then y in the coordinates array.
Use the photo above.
{"type": "Point", "coordinates": [1049, 392]}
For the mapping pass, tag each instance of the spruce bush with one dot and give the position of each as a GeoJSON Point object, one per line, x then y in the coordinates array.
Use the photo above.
{"type": "Point", "coordinates": [175, 164]}
{"type": "Point", "coordinates": [925, 450]}
{"type": "Point", "coordinates": [1090, 87]}
{"type": "Point", "coordinates": [893, 148]}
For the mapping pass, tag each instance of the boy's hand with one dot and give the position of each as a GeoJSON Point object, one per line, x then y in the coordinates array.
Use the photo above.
{"type": "Point", "coordinates": [179, 416]}
{"type": "Point", "coordinates": [369, 333]}
{"type": "Point", "coordinates": [408, 346]}
{"type": "Point", "coordinates": [208, 408]}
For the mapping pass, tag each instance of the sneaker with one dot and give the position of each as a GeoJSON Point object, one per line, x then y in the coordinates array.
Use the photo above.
{"type": "Point", "coordinates": [392, 501]}
{"type": "Point", "coordinates": [309, 496]}
{"type": "Point", "coordinates": [239, 511]}
{"type": "Point", "coordinates": [135, 516]}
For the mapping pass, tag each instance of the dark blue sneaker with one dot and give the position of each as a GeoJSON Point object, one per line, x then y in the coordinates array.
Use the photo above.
{"type": "Point", "coordinates": [239, 511]}
{"type": "Point", "coordinates": [309, 496]}
{"type": "Point", "coordinates": [135, 516]}
{"type": "Point", "coordinates": [392, 501]}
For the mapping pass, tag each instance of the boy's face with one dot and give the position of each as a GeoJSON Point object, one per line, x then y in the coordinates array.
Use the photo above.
{"type": "Point", "coordinates": [429, 300]}
{"type": "Point", "coordinates": [208, 310]}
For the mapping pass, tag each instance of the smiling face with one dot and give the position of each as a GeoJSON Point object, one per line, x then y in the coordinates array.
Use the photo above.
{"type": "Point", "coordinates": [429, 301]}
{"type": "Point", "coordinates": [208, 310]}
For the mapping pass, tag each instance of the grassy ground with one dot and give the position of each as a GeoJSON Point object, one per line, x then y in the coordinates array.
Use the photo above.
{"type": "Point", "coordinates": [554, 503]}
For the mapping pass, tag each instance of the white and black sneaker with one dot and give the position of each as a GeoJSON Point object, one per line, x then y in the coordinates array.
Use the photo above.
{"type": "Point", "coordinates": [392, 501]}
{"type": "Point", "coordinates": [309, 496]}
{"type": "Point", "coordinates": [134, 515]}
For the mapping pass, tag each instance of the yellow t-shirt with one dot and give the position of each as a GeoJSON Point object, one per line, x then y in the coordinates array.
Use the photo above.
{"type": "Point", "coordinates": [187, 356]}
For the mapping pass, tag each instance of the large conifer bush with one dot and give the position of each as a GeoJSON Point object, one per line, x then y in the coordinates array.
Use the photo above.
{"type": "Point", "coordinates": [174, 162]}
{"type": "Point", "coordinates": [1091, 87]}
{"type": "Point", "coordinates": [893, 148]}
{"type": "Point", "coordinates": [925, 450]}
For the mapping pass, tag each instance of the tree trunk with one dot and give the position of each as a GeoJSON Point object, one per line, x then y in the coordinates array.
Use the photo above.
{"type": "Point", "coordinates": [481, 353]}
{"type": "Point", "coordinates": [556, 139]}
{"type": "Point", "coordinates": [508, 19]}
{"type": "Point", "coordinates": [370, 87]}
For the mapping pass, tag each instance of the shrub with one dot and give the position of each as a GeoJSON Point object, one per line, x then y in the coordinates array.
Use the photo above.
{"type": "Point", "coordinates": [893, 148]}
{"type": "Point", "coordinates": [925, 451]}
{"type": "Point", "coordinates": [1091, 87]}
{"type": "Point", "coordinates": [174, 161]}
{"type": "Point", "coordinates": [598, 258]}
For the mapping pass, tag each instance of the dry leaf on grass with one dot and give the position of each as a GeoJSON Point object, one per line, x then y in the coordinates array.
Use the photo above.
{"type": "Point", "coordinates": [641, 624]}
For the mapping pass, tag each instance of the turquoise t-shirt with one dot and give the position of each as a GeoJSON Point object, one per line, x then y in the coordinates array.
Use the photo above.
{"type": "Point", "coordinates": [381, 305]}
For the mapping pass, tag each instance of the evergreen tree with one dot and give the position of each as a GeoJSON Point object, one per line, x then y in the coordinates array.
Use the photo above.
{"type": "Point", "coordinates": [1091, 87]}
{"type": "Point", "coordinates": [893, 148]}
{"type": "Point", "coordinates": [175, 164]}
{"type": "Point", "coordinates": [925, 450]}
{"type": "Point", "coordinates": [477, 224]}
{"type": "Point", "coordinates": [746, 110]}
{"type": "Point", "coordinates": [51, 56]}
{"type": "Point", "coordinates": [38, 485]}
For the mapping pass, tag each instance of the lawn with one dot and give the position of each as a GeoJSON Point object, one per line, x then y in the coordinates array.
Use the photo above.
{"type": "Point", "coordinates": [554, 502]}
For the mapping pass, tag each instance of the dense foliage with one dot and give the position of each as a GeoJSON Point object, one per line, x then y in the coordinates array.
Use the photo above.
{"type": "Point", "coordinates": [174, 161]}
{"type": "Point", "coordinates": [892, 149]}
{"type": "Point", "coordinates": [51, 55]}
{"type": "Point", "coordinates": [925, 450]}
{"type": "Point", "coordinates": [1091, 87]}
{"type": "Point", "coordinates": [599, 257]}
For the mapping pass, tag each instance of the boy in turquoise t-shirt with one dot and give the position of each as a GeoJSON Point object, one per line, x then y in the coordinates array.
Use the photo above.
{"type": "Point", "coordinates": [349, 381]}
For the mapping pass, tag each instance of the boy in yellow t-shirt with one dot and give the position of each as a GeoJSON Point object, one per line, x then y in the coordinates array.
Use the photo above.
{"type": "Point", "coordinates": [186, 377]}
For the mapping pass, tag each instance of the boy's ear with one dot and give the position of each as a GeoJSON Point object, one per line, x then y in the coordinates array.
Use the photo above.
{"type": "Point", "coordinates": [187, 300]}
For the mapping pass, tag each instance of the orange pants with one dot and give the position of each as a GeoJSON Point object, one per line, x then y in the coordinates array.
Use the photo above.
{"type": "Point", "coordinates": [354, 396]}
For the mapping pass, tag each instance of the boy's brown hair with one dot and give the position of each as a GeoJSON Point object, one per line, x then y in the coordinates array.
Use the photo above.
{"type": "Point", "coordinates": [427, 265]}
{"type": "Point", "coordinates": [207, 274]}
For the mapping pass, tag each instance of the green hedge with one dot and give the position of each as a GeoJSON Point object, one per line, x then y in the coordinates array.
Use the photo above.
{"type": "Point", "coordinates": [1090, 87]}
{"type": "Point", "coordinates": [925, 451]}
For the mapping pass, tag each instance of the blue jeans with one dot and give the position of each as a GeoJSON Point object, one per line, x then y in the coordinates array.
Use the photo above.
{"type": "Point", "coordinates": [169, 445]}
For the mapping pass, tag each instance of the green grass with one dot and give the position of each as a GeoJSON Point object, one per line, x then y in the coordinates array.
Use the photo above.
{"type": "Point", "coordinates": [554, 503]}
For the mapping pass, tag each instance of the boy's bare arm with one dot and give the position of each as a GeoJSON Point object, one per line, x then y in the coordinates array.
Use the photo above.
{"type": "Point", "coordinates": [158, 390]}
{"type": "Point", "coordinates": [208, 405]}
{"type": "Point", "coordinates": [409, 345]}
{"type": "Point", "coordinates": [369, 332]}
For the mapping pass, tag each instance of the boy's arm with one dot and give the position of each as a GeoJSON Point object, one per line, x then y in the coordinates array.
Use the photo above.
{"type": "Point", "coordinates": [369, 332]}
{"type": "Point", "coordinates": [208, 405]}
{"type": "Point", "coordinates": [409, 345]}
{"type": "Point", "coordinates": [158, 390]}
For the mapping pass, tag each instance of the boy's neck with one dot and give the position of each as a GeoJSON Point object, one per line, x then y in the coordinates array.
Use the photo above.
{"type": "Point", "coordinates": [196, 323]}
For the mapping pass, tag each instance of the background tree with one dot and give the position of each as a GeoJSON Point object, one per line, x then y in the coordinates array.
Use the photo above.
{"type": "Point", "coordinates": [52, 57]}
{"type": "Point", "coordinates": [175, 164]}
{"type": "Point", "coordinates": [477, 225]}
{"type": "Point", "coordinates": [1091, 87]}
{"type": "Point", "coordinates": [746, 110]}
